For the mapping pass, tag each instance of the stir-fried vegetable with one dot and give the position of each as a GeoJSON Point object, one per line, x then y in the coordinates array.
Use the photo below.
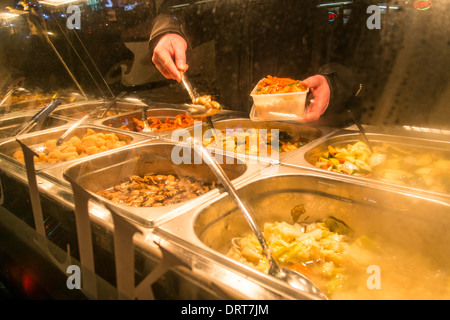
{"type": "Point", "coordinates": [291, 146]}
{"type": "Point", "coordinates": [155, 190]}
{"type": "Point", "coordinates": [271, 85]}
{"type": "Point", "coordinates": [253, 142]}
{"type": "Point", "coordinates": [167, 124]}
{"type": "Point", "coordinates": [353, 159]}
{"type": "Point", "coordinates": [413, 167]}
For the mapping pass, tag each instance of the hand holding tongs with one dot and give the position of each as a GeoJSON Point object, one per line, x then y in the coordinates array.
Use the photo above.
{"type": "Point", "coordinates": [40, 116]}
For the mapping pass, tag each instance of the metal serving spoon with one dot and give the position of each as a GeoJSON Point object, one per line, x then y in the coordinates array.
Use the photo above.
{"type": "Point", "coordinates": [40, 116]}
{"type": "Point", "coordinates": [192, 93]}
{"type": "Point", "coordinates": [77, 124]}
{"type": "Point", "coordinates": [361, 130]}
{"type": "Point", "coordinates": [198, 110]}
{"type": "Point", "coordinates": [146, 128]}
{"type": "Point", "coordinates": [289, 276]}
{"type": "Point", "coordinates": [110, 104]}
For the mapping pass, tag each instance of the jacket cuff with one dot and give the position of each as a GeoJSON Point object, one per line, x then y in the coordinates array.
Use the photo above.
{"type": "Point", "coordinates": [342, 82]}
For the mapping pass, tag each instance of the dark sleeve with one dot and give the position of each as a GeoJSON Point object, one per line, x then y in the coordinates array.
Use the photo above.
{"type": "Point", "coordinates": [344, 84]}
{"type": "Point", "coordinates": [194, 20]}
{"type": "Point", "coordinates": [166, 21]}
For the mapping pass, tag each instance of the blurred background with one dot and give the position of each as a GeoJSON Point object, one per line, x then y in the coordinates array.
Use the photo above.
{"type": "Point", "coordinates": [404, 65]}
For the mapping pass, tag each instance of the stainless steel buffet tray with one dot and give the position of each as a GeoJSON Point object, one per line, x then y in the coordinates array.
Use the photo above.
{"type": "Point", "coordinates": [9, 125]}
{"type": "Point", "coordinates": [126, 120]}
{"type": "Point", "coordinates": [199, 231]}
{"type": "Point", "coordinates": [25, 105]}
{"type": "Point", "coordinates": [79, 109]}
{"type": "Point", "coordinates": [152, 158]}
{"type": "Point", "coordinates": [157, 111]}
{"type": "Point", "coordinates": [36, 140]}
{"type": "Point", "coordinates": [415, 224]}
{"type": "Point", "coordinates": [34, 102]}
{"type": "Point", "coordinates": [123, 111]}
{"type": "Point", "coordinates": [295, 131]}
{"type": "Point", "coordinates": [421, 141]}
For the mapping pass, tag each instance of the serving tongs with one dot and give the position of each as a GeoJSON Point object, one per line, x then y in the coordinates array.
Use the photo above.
{"type": "Point", "coordinates": [111, 104]}
{"type": "Point", "coordinates": [146, 128]}
{"type": "Point", "coordinates": [76, 124]}
{"type": "Point", "coordinates": [361, 130]}
{"type": "Point", "coordinates": [40, 116]}
{"type": "Point", "coordinates": [108, 106]}
{"type": "Point", "coordinates": [16, 85]}
{"type": "Point", "coordinates": [187, 84]}
{"type": "Point", "coordinates": [358, 123]}
{"type": "Point", "coordinates": [197, 110]}
{"type": "Point", "coordinates": [291, 277]}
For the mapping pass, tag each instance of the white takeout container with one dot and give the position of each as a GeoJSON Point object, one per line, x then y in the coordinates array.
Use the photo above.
{"type": "Point", "coordinates": [279, 106]}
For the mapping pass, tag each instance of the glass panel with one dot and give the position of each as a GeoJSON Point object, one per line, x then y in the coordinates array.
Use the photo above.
{"type": "Point", "coordinates": [397, 50]}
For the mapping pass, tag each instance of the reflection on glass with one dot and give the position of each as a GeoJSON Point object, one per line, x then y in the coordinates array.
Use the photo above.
{"type": "Point", "coordinates": [402, 63]}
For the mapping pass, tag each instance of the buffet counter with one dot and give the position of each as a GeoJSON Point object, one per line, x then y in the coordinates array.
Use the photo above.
{"type": "Point", "coordinates": [189, 241]}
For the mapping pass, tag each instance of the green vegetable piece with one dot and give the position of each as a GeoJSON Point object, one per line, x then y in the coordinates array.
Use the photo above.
{"type": "Point", "coordinates": [338, 226]}
{"type": "Point", "coordinates": [297, 211]}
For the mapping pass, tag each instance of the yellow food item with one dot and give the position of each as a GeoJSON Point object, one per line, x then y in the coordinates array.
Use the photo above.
{"type": "Point", "coordinates": [91, 143]}
{"type": "Point", "coordinates": [254, 142]}
{"type": "Point", "coordinates": [344, 266]}
{"type": "Point", "coordinates": [316, 249]}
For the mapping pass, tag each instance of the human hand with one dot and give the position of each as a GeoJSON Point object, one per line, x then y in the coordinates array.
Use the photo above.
{"type": "Point", "coordinates": [321, 91]}
{"type": "Point", "coordinates": [169, 56]}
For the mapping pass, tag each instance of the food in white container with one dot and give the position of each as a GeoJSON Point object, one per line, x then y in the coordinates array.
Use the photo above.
{"type": "Point", "coordinates": [278, 99]}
